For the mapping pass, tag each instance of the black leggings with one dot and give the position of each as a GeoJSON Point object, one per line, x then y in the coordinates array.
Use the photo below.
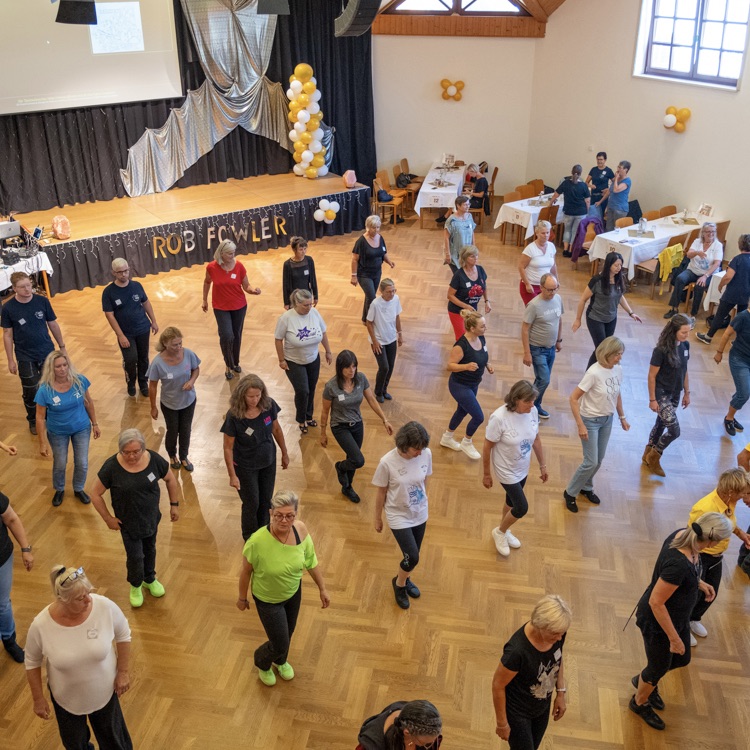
{"type": "Point", "coordinates": [230, 324]}
{"type": "Point", "coordinates": [410, 542]}
{"type": "Point", "coordinates": [711, 574]}
{"type": "Point", "coordinates": [349, 437]}
{"type": "Point", "coordinates": [256, 491]}
{"type": "Point", "coordinates": [369, 286]}
{"type": "Point", "coordinates": [515, 498]}
{"type": "Point", "coordinates": [660, 659]}
{"type": "Point", "coordinates": [304, 379]}
{"type": "Point", "coordinates": [386, 360]}
{"type": "Point", "coordinates": [722, 311]}
{"type": "Point", "coordinates": [179, 424]}
{"type": "Point", "coordinates": [527, 733]}
{"type": "Point", "coordinates": [279, 621]}
{"type": "Point", "coordinates": [599, 331]}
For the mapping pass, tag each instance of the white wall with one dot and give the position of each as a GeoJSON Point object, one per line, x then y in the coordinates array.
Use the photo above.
{"type": "Point", "coordinates": [490, 123]}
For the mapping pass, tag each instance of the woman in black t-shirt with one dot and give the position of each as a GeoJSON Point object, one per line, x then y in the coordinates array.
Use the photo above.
{"type": "Point", "coordinates": [466, 364]}
{"type": "Point", "coordinates": [250, 428]}
{"type": "Point", "coordinates": [477, 192]}
{"type": "Point", "coordinates": [530, 669]}
{"type": "Point", "coordinates": [403, 726]}
{"type": "Point", "coordinates": [467, 287]}
{"type": "Point", "coordinates": [368, 255]}
{"type": "Point", "coordinates": [667, 376]}
{"type": "Point", "coordinates": [299, 272]}
{"type": "Point", "coordinates": [576, 205]}
{"type": "Point", "coordinates": [663, 612]}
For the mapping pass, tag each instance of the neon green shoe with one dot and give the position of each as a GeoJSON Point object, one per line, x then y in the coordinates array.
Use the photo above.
{"type": "Point", "coordinates": [155, 588]}
{"type": "Point", "coordinates": [285, 671]}
{"type": "Point", "coordinates": [136, 596]}
{"type": "Point", "coordinates": [267, 677]}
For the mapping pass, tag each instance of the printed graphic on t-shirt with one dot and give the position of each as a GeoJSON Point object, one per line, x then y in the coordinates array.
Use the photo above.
{"type": "Point", "coordinates": [546, 680]}
{"type": "Point", "coordinates": [475, 292]}
{"type": "Point", "coordinates": [524, 448]}
{"type": "Point", "coordinates": [416, 495]}
{"type": "Point", "coordinates": [613, 388]}
{"type": "Point", "coordinates": [305, 333]}
{"type": "Point", "coordinates": [39, 314]}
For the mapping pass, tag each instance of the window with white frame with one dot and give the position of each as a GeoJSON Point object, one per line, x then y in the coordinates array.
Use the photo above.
{"type": "Point", "coordinates": [699, 41]}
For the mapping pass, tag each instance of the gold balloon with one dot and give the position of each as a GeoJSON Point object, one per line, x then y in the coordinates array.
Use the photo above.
{"type": "Point", "coordinates": [299, 146]}
{"type": "Point", "coordinates": [318, 116]}
{"type": "Point", "coordinates": [312, 124]}
{"type": "Point", "coordinates": [309, 87]}
{"type": "Point", "coordinates": [297, 156]}
{"type": "Point", "coordinates": [305, 137]}
{"type": "Point", "coordinates": [303, 100]}
{"type": "Point", "coordinates": [671, 111]}
{"type": "Point", "coordinates": [303, 72]}
{"type": "Point", "coordinates": [683, 115]}
{"type": "Point", "coordinates": [446, 95]}
{"type": "Point", "coordinates": [292, 116]}
{"type": "Point", "coordinates": [318, 160]}
{"type": "Point", "coordinates": [679, 127]}
{"type": "Point", "coordinates": [311, 172]}
{"type": "Point", "coordinates": [459, 85]}
{"type": "Point", "coordinates": [322, 151]}
{"type": "Point", "coordinates": [330, 214]}
{"type": "Point", "coordinates": [292, 78]}
{"type": "Point", "coordinates": [295, 106]}
{"type": "Point", "coordinates": [458, 96]}
{"type": "Point", "coordinates": [445, 83]}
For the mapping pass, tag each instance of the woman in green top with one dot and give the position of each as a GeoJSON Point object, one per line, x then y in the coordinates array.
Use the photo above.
{"type": "Point", "coordinates": [275, 557]}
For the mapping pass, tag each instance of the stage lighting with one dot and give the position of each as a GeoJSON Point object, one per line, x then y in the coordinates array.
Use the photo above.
{"type": "Point", "coordinates": [77, 12]}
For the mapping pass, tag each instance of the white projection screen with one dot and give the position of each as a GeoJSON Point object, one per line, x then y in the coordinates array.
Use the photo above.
{"type": "Point", "coordinates": [129, 56]}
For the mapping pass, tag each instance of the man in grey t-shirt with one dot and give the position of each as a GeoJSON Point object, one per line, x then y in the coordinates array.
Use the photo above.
{"type": "Point", "coordinates": [541, 335]}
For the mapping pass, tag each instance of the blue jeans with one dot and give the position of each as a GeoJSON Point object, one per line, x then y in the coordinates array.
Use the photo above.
{"type": "Point", "coordinates": [59, 445]}
{"type": "Point", "coordinates": [594, 450]}
{"type": "Point", "coordinates": [7, 623]}
{"type": "Point", "coordinates": [571, 227]}
{"type": "Point", "coordinates": [466, 397]}
{"type": "Point", "coordinates": [740, 369]}
{"type": "Point", "coordinates": [542, 358]}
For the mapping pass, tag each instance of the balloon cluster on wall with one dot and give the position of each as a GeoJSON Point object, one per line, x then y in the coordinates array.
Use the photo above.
{"type": "Point", "coordinates": [452, 90]}
{"type": "Point", "coordinates": [304, 112]}
{"type": "Point", "coordinates": [676, 118]}
{"type": "Point", "coordinates": [326, 211]}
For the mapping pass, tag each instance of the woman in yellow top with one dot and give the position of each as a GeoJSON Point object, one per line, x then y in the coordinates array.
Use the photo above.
{"type": "Point", "coordinates": [734, 485]}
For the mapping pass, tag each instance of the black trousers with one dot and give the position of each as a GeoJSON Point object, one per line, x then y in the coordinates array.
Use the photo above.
{"type": "Point", "coordinates": [179, 424]}
{"type": "Point", "coordinates": [599, 331]}
{"type": "Point", "coordinates": [29, 372]}
{"type": "Point", "coordinates": [386, 360]}
{"type": "Point", "coordinates": [349, 437]}
{"type": "Point", "coordinates": [256, 491]}
{"type": "Point", "coordinates": [660, 659]}
{"type": "Point", "coordinates": [711, 574]}
{"type": "Point", "coordinates": [135, 360]}
{"type": "Point", "coordinates": [410, 542]}
{"type": "Point", "coordinates": [279, 622]}
{"type": "Point", "coordinates": [230, 324]}
{"type": "Point", "coordinates": [304, 379]}
{"type": "Point", "coordinates": [369, 286]}
{"type": "Point", "coordinates": [140, 557]}
{"type": "Point", "coordinates": [108, 724]}
{"type": "Point", "coordinates": [722, 311]}
{"type": "Point", "coordinates": [526, 733]}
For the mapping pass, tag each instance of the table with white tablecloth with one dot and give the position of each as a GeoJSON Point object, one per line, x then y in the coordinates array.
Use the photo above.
{"type": "Point", "coordinates": [433, 194]}
{"type": "Point", "coordinates": [35, 264]}
{"type": "Point", "coordinates": [638, 249]}
{"type": "Point", "coordinates": [525, 213]}
{"type": "Point", "coordinates": [713, 295]}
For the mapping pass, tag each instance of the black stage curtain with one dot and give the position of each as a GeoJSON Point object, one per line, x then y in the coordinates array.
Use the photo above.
{"type": "Point", "coordinates": [73, 156]}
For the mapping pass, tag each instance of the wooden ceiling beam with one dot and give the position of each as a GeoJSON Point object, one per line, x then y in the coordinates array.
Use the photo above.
{"type": "Point", "coordinates": [550, 6]}
{"type": "Point", "coordinates": [423, 25]}
{"type": "Point", "coordinates": [535, 8]}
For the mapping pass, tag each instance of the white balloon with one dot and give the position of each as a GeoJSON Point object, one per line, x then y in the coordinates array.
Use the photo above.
{"type": "Point", "coordinates": [669, 121]}
{"type": "Point", "coordinates": [293, 136]}
{"type": "Point", "coordinates": [315, 96]}
{"type": "Point", "coordinates": [313, 108]}
{"type": "Point", "coordinates": [299, 127]}
{"type": "Point", "coordinates": [296, 86]}
{"type": "Point", "coordinates": [322, 171]}
{"type": "Point", "coordinates": [328, 221]}
{"type": "Point", "coordinates": [451, 90]}
{"type": "Point", "coordinates": [313, 80]}
{"type": "Point", "coordinates": [307, 155]}
{"type": "Point", "coordinates": [319, 215]}
{"type": "Point", "coordinates": [324, 204]}
{"type": "Point", "coordinates": [303, 116]}
{"type": "Point", "coordinates": [335, 206]}
{"type": "Point", "coordinates": [317, 135]}
{"type": "Point", "coordinates": [290, 95]}
{"type": "Point", "coordinates": [315, 147]}
{"type": "Point", "coordinates": [298, 170]}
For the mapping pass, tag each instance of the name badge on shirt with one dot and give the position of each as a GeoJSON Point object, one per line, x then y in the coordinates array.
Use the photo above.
{"type": "Point", "coordinates": [341, 397]}
{"type": "Point", "coordinates": [233, 276]}
{"type": "Point", "coordinates": [305, 273]}
{"type": "Point", "coordinates": [170, 376]}
{"type": "Point", "coordinates": [249, 431]}
{"type": "Point", "coordinates": [55, 399]}
{"type": "Point", "coordinates": [686, 352]}
{"type": "Point", "coordinates": [151, 477]}
{"type": "Point", "coordinates": [92, 633]}
{"type": "Point", "coordinates": [468, 284]}
{"type": "Point", "coordinates": [558, 655]}
{"type": "Point", "coordinates": [118, 302]}
{"type": "Point", "coordinates": [485, 348]}
{"type": "Point", "coordinates": [22, 322]}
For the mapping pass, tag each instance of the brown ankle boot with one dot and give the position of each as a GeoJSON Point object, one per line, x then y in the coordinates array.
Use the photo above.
{"type": "Point", "coordinates": [646, 451]}
{"type": "Point", "coordinates": [653, 461]}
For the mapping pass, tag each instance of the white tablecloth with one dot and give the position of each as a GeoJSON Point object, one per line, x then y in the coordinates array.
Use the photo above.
{"type": "Point", "coordinates": [713, 295]}
{"type": "Point", "coordinates": [636, 250]}
{"type": "Point", "coordinates": [430, 196]}
{"type": "Point", "coordinates": [524, 214]}
{"type": "Point", "coordinates": [40, 262]}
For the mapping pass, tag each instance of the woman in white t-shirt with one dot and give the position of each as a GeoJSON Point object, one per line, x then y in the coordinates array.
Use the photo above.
{"type": "Point", "coordinates": [593, 404]}
{"type": "Point", "coordinates": [537, 259]}
{"type": "Point", "coordinates": [511, 434]}
{"type": "Point", "coordinates": [384, 328]}
{"type": "Point", "coordinates": [401, 479]}
{"type": "Point", "coordinates": [299, 333]}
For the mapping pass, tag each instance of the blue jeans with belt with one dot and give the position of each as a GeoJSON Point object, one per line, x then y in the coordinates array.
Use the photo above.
{"type": "Point", "coordinates": [542, 358]}
{"type": "Point", "coordinates": [594, 449]}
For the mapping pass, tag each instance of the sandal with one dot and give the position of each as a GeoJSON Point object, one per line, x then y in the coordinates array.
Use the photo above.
{"type": "Point", "coordinates": [302, 428]}
{"type": "Point", "coordinates": [187, 465]}
{"type": "Point", "coordinates": [312, 423]}
{"type": "Point", "coordinates": [174, 463]}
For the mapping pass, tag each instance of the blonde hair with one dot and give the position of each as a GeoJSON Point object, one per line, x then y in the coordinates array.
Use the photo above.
{"type": "Point", "coordinates": [63, 588]}
{"type": "Point", "coordinates": [385, 283]}
{"type": "Point", "coordinates": [285, 499]}
{"type": "Point", "coordinates": [543, 225]}
{"type": "Point", "coordinates": [734, 480]}
{"type": "Point", "coordinates": [552, 614]}
{"type": "Point", "coordinates": [47, 378]}
{"type": "Point", "coordinates": [223, 247]}
{"type": "Point", "coordinates": [465, 252]}
{"type": "Point", "coordinates": [610, 347]}
{"type": "Point", "coordinates": [471, 318]}
{"type": "Point", "coordinates": [371, 221]}
{"type": "Point", "coordinates": [473, 168]}
{"type": "Point", "coordinates": [713, 526]}
{"type": "Point", "coordinates": [170, 333]}
{"type": "Point", "coordinates": [118, 263]}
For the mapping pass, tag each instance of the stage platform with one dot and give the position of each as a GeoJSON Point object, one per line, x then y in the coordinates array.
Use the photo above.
{"type": "Point", "coordinates": [182, 227]}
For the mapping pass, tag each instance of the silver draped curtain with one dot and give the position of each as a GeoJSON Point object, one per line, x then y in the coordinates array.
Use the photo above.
{"type": "Point", "coordinates": [234, 46]}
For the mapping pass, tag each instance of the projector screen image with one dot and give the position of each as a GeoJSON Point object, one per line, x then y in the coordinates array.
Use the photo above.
{"type": "Point", "coordinates": [130, 55]}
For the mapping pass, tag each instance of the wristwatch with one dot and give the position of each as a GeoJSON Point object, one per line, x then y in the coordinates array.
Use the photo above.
{"type": "Point", "coordinates": [26, 549]}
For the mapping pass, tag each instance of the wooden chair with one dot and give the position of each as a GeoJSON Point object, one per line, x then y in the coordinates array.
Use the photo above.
{"type": "Point", "coordinates": [588, 241]}
{"type": "Point", "coordinates": [652, 266]}
{"type": "Point", "coordinates": [721, 232]}
{"type": "Point", "coordinates": [382, 177]}
{"type": "Point", "coordinates": [478, 214]}
{"type": "Point", "coordinates": [405, 168]}
{"type": "Point", "coordinates": [667, 211]}
{"type": "Point", "coordinates": [692, 237]}
{"type": "Point", "coordinates": [525, 191]}
{"type": "Point", "coordinates": [491, 189]}
{"type": "Point", "coordinates": [537, 185]}
{"type": "Point", "coordinates": [380, 207]}
{"type": "Point", "coordinates": [557, 228]}
{"type": "Point", "coordinates": [626, 221]}
{"type": "Point", "coordinates": [651, 215]}
{"type": "Point", "coordinates": [509, 198]}
{"type": "Point", "coordinates": [411, 189]}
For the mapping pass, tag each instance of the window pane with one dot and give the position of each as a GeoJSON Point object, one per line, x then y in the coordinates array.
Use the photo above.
{"type": "Point", "coordinates": [712, 35]}
{"type": "Point", "coordinates": [715, 10]}
{"type": "Point", "coordinates": [737, 10]}
{"type": "Point", "coordinates": [660, 56]}
{"type": "Point", "coordinates": [484, 6]}
{"type": "Point", "coordinates": [708, 62]}
{"type": "Point", "coordinates": [731, 65]}
{"type": "Point", "coordinates": [734, 37]}
{"type": "Point", "coordinates": [684, 32]}
{"type": "Point", "coordinates": [425, 5]}
{"type": "Point", "coordinates": [682, 59]}
{"type": "Point", "coordinates": [663, 30]}
{"type": "Point", "coordinates": [665, 8]}
{"type": "Point", "coordinates": [686, 8]}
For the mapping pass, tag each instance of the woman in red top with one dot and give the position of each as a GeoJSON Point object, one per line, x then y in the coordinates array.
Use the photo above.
{"type": "Point", "coordinates": [230, 281]}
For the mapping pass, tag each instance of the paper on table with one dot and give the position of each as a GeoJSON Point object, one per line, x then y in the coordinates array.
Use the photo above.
{"type": "Point", "coordinates": [642, 235]}
{"type": "Point", "coordinates": [693, 222]}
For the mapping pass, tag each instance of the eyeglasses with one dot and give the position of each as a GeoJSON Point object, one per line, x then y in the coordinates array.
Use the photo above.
{"type": "Point", "coordinates": [547, 289]}
{"type": "Point", "coordinates": [284, 516]}
{"type": "Point", "coordinates": [79, 573]}
{"type": "Point", "coordinates": [121, 270]}
{"type": "Point", "coordinates": [132, 454]}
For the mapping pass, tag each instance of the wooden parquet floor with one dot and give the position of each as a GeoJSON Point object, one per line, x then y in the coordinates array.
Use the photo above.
{"type": "Point", "coordinates": [193, 682]}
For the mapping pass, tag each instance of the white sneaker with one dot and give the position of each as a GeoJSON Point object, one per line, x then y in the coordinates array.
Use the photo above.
{"type": "Point", "coordinates": [447, 441]}
{"type": "Point", "coordinates": [468, 448]}
{"type": "Point", "coordinates": [512, 540]}
{"type": "Point", "coordinates": [501, 541]}
{"type": "Point", "coordinates": [697, 627]}
{"type": "Point", "coordinates": [693, 641]}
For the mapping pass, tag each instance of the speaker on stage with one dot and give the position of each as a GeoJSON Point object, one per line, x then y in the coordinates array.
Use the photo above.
{"type": "Point", "coordinates": [77, 12]}
{"type": "Point", "coordinates": [357, 17]}
{"type": "Point", "coordinates": [273, 7]}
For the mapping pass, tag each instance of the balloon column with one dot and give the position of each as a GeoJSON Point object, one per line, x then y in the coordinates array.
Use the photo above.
{"type": "Point", "coordinates": [676, 118]}
{"type": "Point", "coordinates": [304, 112]}
{"type": "Point", "coordinates": [326, 211]}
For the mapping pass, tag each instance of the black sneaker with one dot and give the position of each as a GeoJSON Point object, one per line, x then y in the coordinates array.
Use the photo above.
{"type": "Point", "coordinates": [349, 492]}
{"type": "Point", "coordinates": [738, 426]}
{"type": "Point", "coordinates": [82, 496]}
{"type": "Point", "coordinates": [58, 497]}
{"type": "Point", "coordinates": [412, 590]}
{"type": "Point", "coordinates": [729, 427]}
{"type": "Point", "coordinates": [591, 496]}
{"type": "Point", "coordinates": [647, 714]}
{"type": "Point", "coordinates": [144, 390]}
{"type": "Point", "coordinates": [15, 651]}
{"type": "Point", "coordinates": [387, 396]}
{"type": "Point", "coordinates": [400, 220]}
{"type": "Point", "coordinates": [654, 699]}
{"type": "Point", "coordinates": [402, 598]}
{"type": "Point", "coordinates": [567, 254]}
{"type": "Point", "coordinates": [32, 428]}
{"type": "Point", "coordinates": [704, 338]}
{"type": "Point", "coordinates": [570, 502]}
{"type": "Point", "coordinates": [441, 219]}
{"type": "Point", "coordinates": [131, 390]}
{"type": "Point", "coordinates": [341, 475]}
{"type": "Point", "coordinates": [670, 313]}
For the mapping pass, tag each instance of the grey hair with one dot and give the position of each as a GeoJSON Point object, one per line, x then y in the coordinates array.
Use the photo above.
{"type": "Point", "coordinates": [300, 295]}
{"type": "Point", "coordinates": [472, 168]}
{"type": "Point", "coordinates": [370, 221]}
{"type": "Point", "coordinates": [714, 526]}
{"type": "Point", "coordinates": [545, 276]}
{"type": "Point", "coordinates": [465, 252]}
{"type": "Point", "coordinates": [118, 263]}
{"type": "Point", "coordinates": [544, 225]}
{"type": "Point", "coordinates": [708, 225]}
{"type": "Point", "coordinates": [221, 248]}
{"type": "Point", "coordinates": [385, 283]}
{"type": "Point", "coordinates": [131, 435]}
{"type": "Point", "coordinates": [68, 591]}
{"type": "Point", "coordinates": [610, 347]}
{"type": "Point", "coordinates": [285, 499]}
{"type": "Point", "coordinates": [552, 614]}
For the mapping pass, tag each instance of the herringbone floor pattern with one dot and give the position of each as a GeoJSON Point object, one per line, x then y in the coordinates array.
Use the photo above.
{"type": "Point", "coordinates": [194, 685]}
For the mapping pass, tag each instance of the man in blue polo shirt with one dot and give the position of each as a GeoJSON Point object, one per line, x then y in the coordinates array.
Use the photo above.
{"type": "Point", "coordinates": [618, 195]}
{"type": "Point", "coordinates": [25, 320]}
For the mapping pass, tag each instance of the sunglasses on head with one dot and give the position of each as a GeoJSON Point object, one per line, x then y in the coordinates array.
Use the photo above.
{"type": "Point", "coordinates": [79, 573]}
